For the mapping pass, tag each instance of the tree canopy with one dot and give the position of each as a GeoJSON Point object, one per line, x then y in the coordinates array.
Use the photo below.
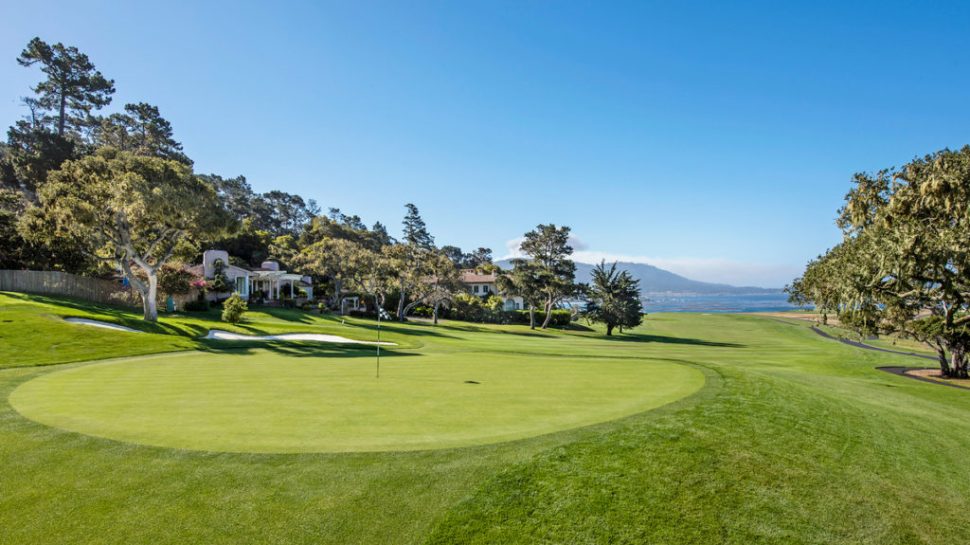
{"type": "Point", "coordinates": [548, 247]}
{"type": "Point", "coordinates": [524, 280]}
{"type": "Point", "coordinates": [904, 263]}
{"type": "Point", "coordinates": [142, 130]}
{"type": "Point", "coordinates": [614, 298]}
{"type": "Point", "coordinates": [477, 259]}
{"type": "Point", "coordinates": [415, 231]}
{"type": "Point", "coordinates": [73, 86]}
{"type": "Point", "coordinates": [128, 209]}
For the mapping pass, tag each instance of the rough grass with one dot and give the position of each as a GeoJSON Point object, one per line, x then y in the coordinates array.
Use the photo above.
{"type": "Point", "coordinates": [794, 439]}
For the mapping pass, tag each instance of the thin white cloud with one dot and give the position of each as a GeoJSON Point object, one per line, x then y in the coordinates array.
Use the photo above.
{"type": "Point", "coordinates": [512, 248]}
{"type": "Point", "coordinates": [577, 244]}
{"type": "Point", "coordinates": [718, 270]}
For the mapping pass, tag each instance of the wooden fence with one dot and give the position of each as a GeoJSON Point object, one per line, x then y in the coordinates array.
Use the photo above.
{"type": "Point", "coordinates": [95, 290]}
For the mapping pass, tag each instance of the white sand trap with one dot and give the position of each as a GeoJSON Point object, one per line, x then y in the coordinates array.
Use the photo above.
{"type": "Point", "coordinates": [106, 325]}
{"type": "Point", "coordinates": [317, 337]}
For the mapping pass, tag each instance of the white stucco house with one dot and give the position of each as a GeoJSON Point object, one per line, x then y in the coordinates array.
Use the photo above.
{"type": "Point", "coordinates": [483, 284]}
{"type": "Point", "coordinates": [274, 283]}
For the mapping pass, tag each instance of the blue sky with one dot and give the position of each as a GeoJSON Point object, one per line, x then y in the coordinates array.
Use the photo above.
{"type": "Point", "coordinates": [709, 138]}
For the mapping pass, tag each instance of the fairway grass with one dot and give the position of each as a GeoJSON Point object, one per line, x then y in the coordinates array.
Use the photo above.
{"type": "Point", "coordinates": [792, 439]}
{"type": "Point", "coordinates": [269, 402]}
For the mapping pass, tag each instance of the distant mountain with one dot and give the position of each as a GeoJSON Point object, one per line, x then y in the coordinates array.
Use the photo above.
{"type": "Point", "coordinates": [656, 280]}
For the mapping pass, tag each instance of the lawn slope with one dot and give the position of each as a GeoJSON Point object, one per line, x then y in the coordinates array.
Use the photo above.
{"type": "Point", "coordinates": [794, 439]}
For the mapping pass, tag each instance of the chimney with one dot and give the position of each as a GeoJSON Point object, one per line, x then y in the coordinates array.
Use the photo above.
{"type": "Point", "coordinates": [208, 261]}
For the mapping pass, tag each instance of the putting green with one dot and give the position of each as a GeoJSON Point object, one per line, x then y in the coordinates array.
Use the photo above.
{"type": "Point", "coordinates": [269, 402]}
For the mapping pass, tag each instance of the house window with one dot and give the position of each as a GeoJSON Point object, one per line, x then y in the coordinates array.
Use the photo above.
{"type": "Point", "coordinates": [476, 288]}
{"type": "Point", "coordinates": [241, 284]}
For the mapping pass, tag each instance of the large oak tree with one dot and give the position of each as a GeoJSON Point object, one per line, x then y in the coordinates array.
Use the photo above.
{"type": "Point", "coordinates": [128, 209]}
{"type": "Point", "coordinates": [904, 264]}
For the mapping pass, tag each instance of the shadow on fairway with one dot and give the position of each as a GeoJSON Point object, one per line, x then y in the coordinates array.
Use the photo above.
{"type": "Point", "coordinates": [125, 316]}
{"type": "Point", "coordinates": [527, 333]}
{"type": "Point", "coordinates": [416, 329]}
{"type": "Point", "coordinates": [300, 350]}
{"type": "Point", "coordinates": [646, 338]}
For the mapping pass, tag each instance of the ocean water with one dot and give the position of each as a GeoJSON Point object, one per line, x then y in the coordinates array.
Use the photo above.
{"type": "Point", "coordinates": [762, 302]}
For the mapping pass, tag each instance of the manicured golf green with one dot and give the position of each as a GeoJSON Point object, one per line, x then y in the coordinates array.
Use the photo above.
{"type": "Point", "coordinates": [269, 402]}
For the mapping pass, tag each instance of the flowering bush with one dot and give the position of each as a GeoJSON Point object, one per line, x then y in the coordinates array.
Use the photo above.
{"type": "Point", "coordinates": [175, 280]}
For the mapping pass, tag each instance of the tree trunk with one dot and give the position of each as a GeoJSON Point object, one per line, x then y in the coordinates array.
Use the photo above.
{"type": "Point", "coordinates": [944, 364]}
{"type": "Point", "coordinates": [532, 316]}
{"type": "Point", "coordinates": [60, 118]}
{"type": "Point", "coordinates": [400, 306]}
{"type": "Point", "coordinates": [958, 363]}
{"type": "Point", "coordinates": [435, 314]}
{"type": "Point", "coordinates": [148, 292]}
{"type": "Point", "coordinates": [149, 300]}
{"type": "Point", "coordinates": [337, 287]}
{"type": "Point", "coordinates": [609, 330]}
{"type": "Point", "coordinates": [409, 307]}
{"type": "Point", "coordinates": [545, 322]}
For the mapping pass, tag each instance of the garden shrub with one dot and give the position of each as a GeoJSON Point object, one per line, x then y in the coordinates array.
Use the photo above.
{"type": "Point", "coordinates": [233, 309]}
{"type": "Point", "coordinates": [560, 317]}
{"type": "Point", "coordinates": [173, 279]}
{"type": "Point", "coordinates": [471, 308]}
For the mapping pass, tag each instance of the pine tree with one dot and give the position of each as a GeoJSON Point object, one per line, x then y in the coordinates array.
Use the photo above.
{"type": "Point", "coordinates": [415, 230]}
{"type": "Point", "coordinates": [73, 87]}
{"type": "Point", "coordinates": [614, 298]}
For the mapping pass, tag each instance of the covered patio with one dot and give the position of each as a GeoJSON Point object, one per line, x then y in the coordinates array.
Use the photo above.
{"type": "Point", "coordinates": [279, 285]}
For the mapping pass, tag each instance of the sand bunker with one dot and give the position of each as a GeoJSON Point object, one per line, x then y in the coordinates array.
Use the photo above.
{"type": "Point", "coordinates": [106, 325]}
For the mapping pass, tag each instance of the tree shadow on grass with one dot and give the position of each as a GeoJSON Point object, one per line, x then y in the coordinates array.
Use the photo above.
{"type": "Point", "coordinates": [647, 338]}
{"type": "Point", "coordinates": [124, 316]}
{"type": "Point", "coordinates": [69, 302]}
{"type": "Point", "coordinates": [416, 330]}
{"type": "Point", "coordinates": [299, 349]}
{"type": "Point", "coordinates": [527, 333]}
{"type": "Point", "coordinates": [183, 324]}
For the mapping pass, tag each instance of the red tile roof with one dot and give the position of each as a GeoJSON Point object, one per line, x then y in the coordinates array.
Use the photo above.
{"type": "Point", "coordinates": [469, 276]}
